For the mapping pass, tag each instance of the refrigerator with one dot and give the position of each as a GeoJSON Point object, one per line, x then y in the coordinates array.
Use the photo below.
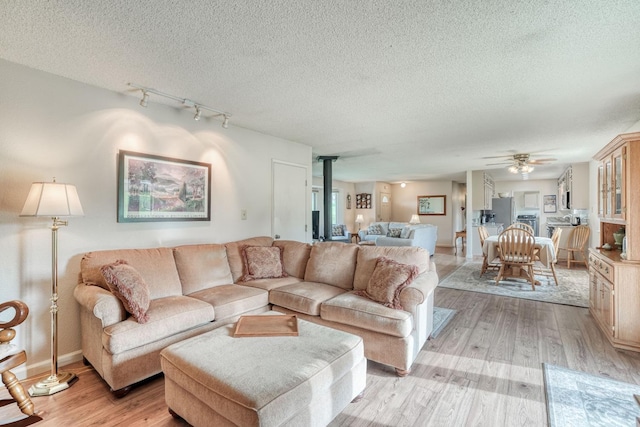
{"type": "Point", "coordinates": [504, 210]}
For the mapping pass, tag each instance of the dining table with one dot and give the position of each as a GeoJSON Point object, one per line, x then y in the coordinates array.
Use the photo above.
{"type": "Point", "coordinates": [546, 252]}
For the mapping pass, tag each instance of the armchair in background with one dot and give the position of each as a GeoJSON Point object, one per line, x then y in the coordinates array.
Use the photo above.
{"type": "Point", "coordinates": [340, 233]}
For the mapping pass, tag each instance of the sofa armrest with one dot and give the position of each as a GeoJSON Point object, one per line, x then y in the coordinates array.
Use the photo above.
{"type": "Point", "coordinates": [418, 291]}
{"type": "Point", "coordinates": [102, 303]}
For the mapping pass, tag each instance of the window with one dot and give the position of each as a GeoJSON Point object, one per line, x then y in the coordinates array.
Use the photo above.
{"type": "Point", "coordinates": [335, 197]}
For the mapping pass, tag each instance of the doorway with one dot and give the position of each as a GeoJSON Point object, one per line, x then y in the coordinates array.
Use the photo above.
{"type": "Point", "coordinates": [289, 189]}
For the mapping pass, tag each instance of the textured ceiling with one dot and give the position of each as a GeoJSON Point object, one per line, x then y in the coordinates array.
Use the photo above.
{"type": "Point", "coordinates": [401, 90]}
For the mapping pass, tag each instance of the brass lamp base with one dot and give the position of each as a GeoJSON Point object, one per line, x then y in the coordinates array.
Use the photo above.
{"type": "Point", "coordinates": [53, 384]}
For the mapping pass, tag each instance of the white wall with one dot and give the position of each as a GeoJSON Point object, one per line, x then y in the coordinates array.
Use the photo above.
{"type": "Point", "coordinates": [51, 126]}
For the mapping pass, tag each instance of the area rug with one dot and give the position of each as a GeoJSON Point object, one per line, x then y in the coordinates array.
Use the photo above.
{"type": "Point", "coordinates": [441, 317]}
{"type": "Point", "coordinates": [573, 288]}
{"type": "Point", "coordinates": [578, 399]}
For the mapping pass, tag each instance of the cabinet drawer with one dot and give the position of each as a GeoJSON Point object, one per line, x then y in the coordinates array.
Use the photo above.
{"type": "Point", "coordinates": [602, 267]}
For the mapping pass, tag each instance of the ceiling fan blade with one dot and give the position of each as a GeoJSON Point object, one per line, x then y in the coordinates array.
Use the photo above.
{"type": "Point", "coordinates": [500, 164]}
{"type": "Point", "coordinates": [541, 161]}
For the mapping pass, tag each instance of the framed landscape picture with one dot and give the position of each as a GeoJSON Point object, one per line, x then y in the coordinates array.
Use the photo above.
{"type": "Point", "coordinates": [432, 205]}
{"type": "Point", "coordinates": [155, 188]}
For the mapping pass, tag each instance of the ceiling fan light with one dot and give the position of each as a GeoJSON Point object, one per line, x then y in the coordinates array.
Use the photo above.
{"type": "Point", "coordinates": [513, 169]}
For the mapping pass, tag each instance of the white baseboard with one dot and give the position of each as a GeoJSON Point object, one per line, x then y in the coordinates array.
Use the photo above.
{"type": "Point", "coordinates": [42, 368]}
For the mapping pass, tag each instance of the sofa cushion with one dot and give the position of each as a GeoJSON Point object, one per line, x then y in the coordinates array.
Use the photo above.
{"type": "Point", "coordinates": [304, 297]}
{"type": "Point", "coordinates": [129, 287]}
{"type": "Point", "coordinates": [337, 230]}
{"type": "Point", "coordinates": [375, 229]}
{"type": "Point", "coordinates": [233, 300]}
{"type": "Point", "coordinates": [394, 232]}
{"type": "Point", "coordinates": [354, 310]}
{"type": "Point", "coordinates": [167, 316]}
{"type": "Point", "coordinates": [387, 281]}
{"type": "Point", "coordinates": [262, 262]}
{"type": "Point", "coordinates": [202, 267]}
{"type": "Point", "coordinates": [156, 266]}
{"type": "Point", "coordinates": [234, 253]}
{"type": "Point", "coordinates": [295, 256]}
{"type": "Point", "coordinates": [368, 257]}
{"type": "Point", "coordinates": [269, 284]}
{"type": "Point", "coordinates": [332, 263]}
{"type": "Point", "coordinates": [405, 232]}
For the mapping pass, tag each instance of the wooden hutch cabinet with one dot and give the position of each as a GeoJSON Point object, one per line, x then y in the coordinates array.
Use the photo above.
{"type": "Point", "coordinates": [614, 278]}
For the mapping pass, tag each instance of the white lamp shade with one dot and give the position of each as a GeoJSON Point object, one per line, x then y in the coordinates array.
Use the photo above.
{"type": "Point", "coordinates": [52, 199]}
{"type": "Point", "coordinates": [359, 219]}
{"type": "Point", "coordinates": [415, 219]}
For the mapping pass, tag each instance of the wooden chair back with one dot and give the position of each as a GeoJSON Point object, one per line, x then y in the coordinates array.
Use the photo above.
{"type": "Point", "coordinates": [555, 238]}
{"type": "Point", "coordinates": [484, 233]}
{"type": "Point", "coordinates": [522, 226]}
{"type": "Point", "coordinates": [578, 237]}
{"type": "Point", "coordinates": [516, 246]}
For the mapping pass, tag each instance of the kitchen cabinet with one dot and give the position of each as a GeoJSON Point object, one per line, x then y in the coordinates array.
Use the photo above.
{"type": "Point", "coordinates": [573, 187]}
{"type": "Point", "coordinates": [614, 281]}
{"type": "Point", "coordinates": [482, 190]}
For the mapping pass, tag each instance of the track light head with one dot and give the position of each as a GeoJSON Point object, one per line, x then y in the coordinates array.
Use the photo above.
{"type": "Point", "coordinates": [197, 116]}
{"type": "Point", "coordinates": [145, 98]}
{"type": "Point", "coordinates": [225, 122]}
{"type": "Point", "coordinates": [403, 184]}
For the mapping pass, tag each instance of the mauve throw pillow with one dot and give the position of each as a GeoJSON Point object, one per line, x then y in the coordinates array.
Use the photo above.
{"type": "Point", "coordinates": [262, 262]}
{"type": "Point", "coordinates": [388, 279]}
{"type": "Point", "coordinates": [126, 283]}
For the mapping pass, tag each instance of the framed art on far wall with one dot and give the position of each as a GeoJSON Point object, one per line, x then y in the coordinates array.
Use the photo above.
{"type": "Point", "coordinates": [549, 203]}
{"type": "Point", "coordinates": [432, 205]}
{"type": "Point", "coordinates": [155, 188]}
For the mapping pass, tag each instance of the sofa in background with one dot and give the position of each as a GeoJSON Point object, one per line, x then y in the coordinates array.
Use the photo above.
{"type": "Point", "coordinates": [401, 234]}
{"type": "Point", "coordinates": [196, 288]}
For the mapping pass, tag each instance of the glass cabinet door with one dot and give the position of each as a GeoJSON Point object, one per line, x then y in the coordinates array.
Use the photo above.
{"type": "Point", "coordinates": [608, 188]}
{"type": "Point", "coordinates": [602, 191]}
{"type": "Point", "coordinates": [618, 184]}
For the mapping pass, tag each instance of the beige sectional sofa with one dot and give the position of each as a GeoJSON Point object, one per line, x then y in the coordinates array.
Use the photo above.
{"type": "Point", "coordinates": [197, 288]}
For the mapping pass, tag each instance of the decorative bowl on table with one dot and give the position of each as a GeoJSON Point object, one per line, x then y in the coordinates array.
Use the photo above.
{"type": "Point", "coordinates": [503, 195]}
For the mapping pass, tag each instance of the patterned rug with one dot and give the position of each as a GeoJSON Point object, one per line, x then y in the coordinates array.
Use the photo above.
{"type": "Point", "coordinates": [573, 288]}
{"type": "Point", "coordinates": [441, 317]}
{"type": "Point", "coordinates": [582, 400]}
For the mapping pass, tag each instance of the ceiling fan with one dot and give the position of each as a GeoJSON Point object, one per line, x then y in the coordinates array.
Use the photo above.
{"type": "Point", "coordinates": [521, 163]}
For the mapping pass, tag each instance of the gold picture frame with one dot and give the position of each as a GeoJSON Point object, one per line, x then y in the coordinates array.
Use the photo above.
{"type": "Point", "coordinates": [432, 205]}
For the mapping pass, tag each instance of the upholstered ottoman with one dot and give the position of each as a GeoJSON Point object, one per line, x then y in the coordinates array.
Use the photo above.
{"type": "Point", "coordinates": [215, 379]}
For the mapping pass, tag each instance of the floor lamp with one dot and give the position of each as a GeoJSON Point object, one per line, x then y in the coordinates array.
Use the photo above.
{"type": "Point", "coordinates": [52, 199]}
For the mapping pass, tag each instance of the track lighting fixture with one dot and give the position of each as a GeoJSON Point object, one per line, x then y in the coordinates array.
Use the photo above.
{"type": "Point", "coordinates": [184, 101]}
{"type": "Point", "coordinates": [145, 98]}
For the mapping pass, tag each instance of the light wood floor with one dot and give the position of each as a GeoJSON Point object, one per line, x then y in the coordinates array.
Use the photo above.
{"type": "Point", "coordinates": [484, 369]}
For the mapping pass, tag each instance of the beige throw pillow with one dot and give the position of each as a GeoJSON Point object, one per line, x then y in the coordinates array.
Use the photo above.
{"type": "Point", "coordinates": [262, 262]}
{"type": "Point", "coordinates": [389, 278]}
{"type": "Point", "coordinates": [126, 283]}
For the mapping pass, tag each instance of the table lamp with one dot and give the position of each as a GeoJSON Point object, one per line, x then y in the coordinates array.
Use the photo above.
{"type": "Point", "coordinates": [52, 199]}
{"type": "Point", "coordinates": [359, 220]}
{"type": "Point", "coordinates": [415, 219]}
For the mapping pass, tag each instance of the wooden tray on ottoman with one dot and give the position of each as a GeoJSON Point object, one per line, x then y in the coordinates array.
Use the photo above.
{"type": "Point", "coordinates": [266, 326]}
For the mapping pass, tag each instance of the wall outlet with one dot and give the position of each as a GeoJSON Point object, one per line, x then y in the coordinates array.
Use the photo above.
{"type": "Point", "coordinates": [243, 214]}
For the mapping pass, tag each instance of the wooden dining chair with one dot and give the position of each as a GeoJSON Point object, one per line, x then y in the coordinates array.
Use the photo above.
{"type": "Point", "coordinates": [577, 243]}
{"type": "Point", "coordinates": [539, 268]}
{"type": "Point", "coordinates": [523, 226]}
{"type": "Point", "coordinates": [10, 358]}
{"type": "Point", "coordinates": [486, 264]}
{"type": "Point", "coordinates": [516, 249]}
